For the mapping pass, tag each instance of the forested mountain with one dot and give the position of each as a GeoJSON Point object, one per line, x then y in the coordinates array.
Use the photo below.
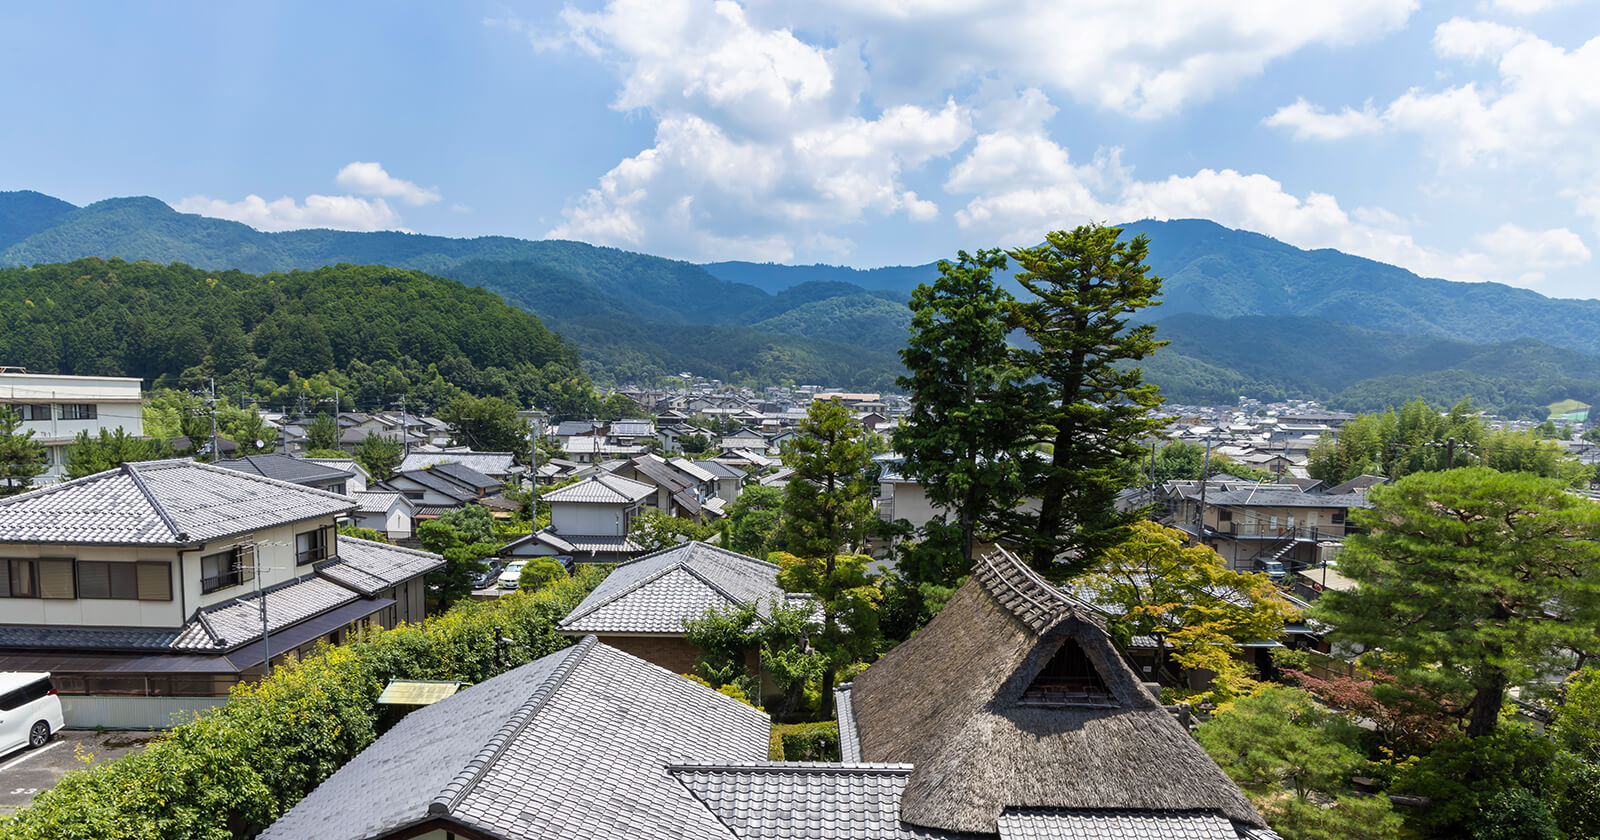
{"type": "Point", "coordinates": [1302, 323]}
{"type": "Point", "coordinates": [390, 329]}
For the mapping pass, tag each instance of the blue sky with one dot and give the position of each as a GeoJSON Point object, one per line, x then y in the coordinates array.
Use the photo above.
{"type": "Point", "coordinates": [1458, 140]}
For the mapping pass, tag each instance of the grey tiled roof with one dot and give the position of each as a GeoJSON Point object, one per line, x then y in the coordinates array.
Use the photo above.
{"type": "Point", "coordinates": [1115, 825]}
{"type": "Point", "coordinates": [656, 592]}
{"type": "Point", "coordinates": [486, 463]}
{"type": "Point", "coordinates": [370, 567]}
{"type": "Point", "coordinates": [806, 801]}
{"type": "Point", "coordinates": [375, 501]}
{"type": "Point", "coordinates": [574, 745]}
{"type": "Point", "coordinates": [849, 736]}
{"type": "Point", "coordinates": [602, 489]}
{"type": "Point", "coordinates": [56, 637]}
{"type": "Point", "coordinates": [228, 625]}
{"type": "Point", "coordinates": [285, 468]}
{"type": "Point", "coordinates": [720, 470]}
{"type": "Point", "coordinates": [172, 502]}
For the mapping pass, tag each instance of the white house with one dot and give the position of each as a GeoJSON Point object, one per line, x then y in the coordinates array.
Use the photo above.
{"type": "Point", "coordinates": [56, 408]}
{"type": "Point", "coordinates": [589, 521]}
{"type": "Point", "coordinates": [145, 589]}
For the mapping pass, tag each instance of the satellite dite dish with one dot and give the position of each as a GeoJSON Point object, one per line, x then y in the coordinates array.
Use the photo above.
{"type": "Point", "coordinates": [260, 444]}
{"type": "Point", "coordinates": [417, 692]}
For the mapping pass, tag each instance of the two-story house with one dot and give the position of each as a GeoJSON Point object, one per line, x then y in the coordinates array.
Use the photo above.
{"type": "Point", "coordinates": [153, 588]}
{"type": "Point", "coordinates": [589, 521]}
{"type": "Point", "coordinates": [1253, 524]}
{"type": "Point", "coordinates": [57, 408]}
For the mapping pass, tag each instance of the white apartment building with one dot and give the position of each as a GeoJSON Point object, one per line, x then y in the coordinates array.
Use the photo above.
{"type": "Point", "coordinates": [56, 408]}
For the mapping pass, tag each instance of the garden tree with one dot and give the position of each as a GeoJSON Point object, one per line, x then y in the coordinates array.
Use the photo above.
{"type": "Point", "coordinates": [958, 440]}
{"type": "Point", "coordinates": [89, 455]}
{"type": "Point", "coordinates": [1574, 783]}
{"type": "Point", "coordinates": [827, 505]}
{"type": "Point", "coordinates": [1153, 585]}
{"type": "Point", "coordinates": [1395, 444]}
{"type": "Point", "coordinates": [777, 632]}
{"type": "Point", "coordinates": [540, 572]}
{"type": "Point", "coordinates": [615, 407]}
{"type": "Point", "coordinates": [653, 530]}
{"type": "Point", "coordinates": [755, 521]}
{"type": "Point", "coordinates": [1466, 778]}
{"type": "Point", "coordinates": [322, 433]}
{"type": "Point", "coordinates": [244, 426]}
{"type": "Point", "coordinates": [849, 597]}
{"type": "Point", "coordinates": [21, 457]}
{"type": "Point", "coordinates": [487, 424]}
{"type": "Point", "coordinates": [550, 447]}
{"type": "Point", "coordinates": [1294, 761]}
{"type": "Point", "coordinates": [380, 456]}
{"type": "Point", "coordinates": [465, 536]}
{"type": "Point", "coordinates": [1471, 581]}
{"type": "Point", "coordinates": [1084, 405]}
{"type": "Point", "coordinates": [1407, 720]}
{"type": "Point", "coordinates": [1509, 451]}
{"type": "Point", "coordinates": [695, 443]}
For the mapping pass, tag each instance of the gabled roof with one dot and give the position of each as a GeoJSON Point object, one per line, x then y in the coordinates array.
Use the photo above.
{"type": "Point", "coordinates": [1359, 484]}
{"type": "Point", "coordinates": [485, 463]}
{"type": "Point", "coordinates": [950, 701]}
{"type": "Point", "coordinates": [656, 592]}
{"type": "Point", "coordinates": [380, 501]}
{"type": "Point", "coordinates": [349, 465]}
{"type": "Point", "coordinates": [236, 622]}
{"type": "Point", "coordinates": [285, 468]}
{"type": "Point", "coordinates": [658, 470]}
{"type": "Point", "coordinates": [173, 502]}
{"type": "Point", "coordinates": [806, 801]}
{"type": "Point", "coordinates": [602, 489]}
{"type": "Point", "coordinates": [371, 567]}
{"type": "Point", "coordinates": [721, 470]}
{"type": "Point", "coordinates": [574, 745]}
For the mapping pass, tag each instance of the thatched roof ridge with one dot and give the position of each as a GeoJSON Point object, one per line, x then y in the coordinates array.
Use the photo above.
{"type": "Point", "coordinates": [946, 701]}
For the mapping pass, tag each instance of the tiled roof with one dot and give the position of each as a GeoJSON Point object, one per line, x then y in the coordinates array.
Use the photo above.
{"type": "Point", "coordinates": [228, 625]}
{"type": "Point", "coordinates": [1115, 825]}
{"type": "Point", "coordinates": [434, 480]}
{"type": "Point", "coordinates": [849, 736]}
{"type": "Point", "coordinates": [174, 502]}
{"type": "Point", "coordinates": [602, 489]}
{"type": "Point", "coordinates": [56, 637]}
{"type": "Point", "coordinates": [720, 469]}
{"type": "Point", "coordinates": [656, 592]}
{"type": "Point", "coordinates": [362, 564]}
{"type": "Point", "coordinates": [806, 801]}
{"type": "Point", "coordinates": [487, 463]}
{"type": "Point", "coordinates": [285, 468]}
{"type": "Point", "coordinates": [695, 471]}
{"type": "Point", "coordinates": [1026, 595]}
{"type": "Point", "coordinates": [574, 745]}
{"type": "Point", "coordinates": [375, 501]}
{"type": "Point", "coordinates": [585, 544]}
{"type": "Point", "coordinates": [464, 474]}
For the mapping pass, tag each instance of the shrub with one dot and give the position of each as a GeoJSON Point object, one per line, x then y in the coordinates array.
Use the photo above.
{"type": "Point", "coordinates": [1461, 775]}
{"type": "Point", "coordinates": [1514, 814]}
{"type": "Point", "coordinates": [230, 772]}
{"type": "Point", "coordinates": [809, 741]}
{"type": "Point", "coordinates": [536, 574]}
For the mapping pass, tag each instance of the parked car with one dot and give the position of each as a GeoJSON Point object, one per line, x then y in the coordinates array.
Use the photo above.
{"type": "Point", "coordinates": [512, 574]}
{"type": "Point", "coordinates": [490, 576]}
{"type": "Point", "coordinates": [1273, 568]}
{"type": "Point", "coordinates": [30, 711]}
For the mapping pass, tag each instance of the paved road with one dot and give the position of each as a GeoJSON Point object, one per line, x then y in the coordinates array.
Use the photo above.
{"type": "Point", "coordinates": [26, 772]}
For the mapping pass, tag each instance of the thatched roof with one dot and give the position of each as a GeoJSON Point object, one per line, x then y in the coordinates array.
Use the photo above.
{"type": "Point", "coordinates": [950, 701]}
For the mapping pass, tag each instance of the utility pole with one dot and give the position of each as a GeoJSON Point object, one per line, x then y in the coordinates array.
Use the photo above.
{"type": "Point", "coordinates": [405, 438]}
{"type": "Point", "coordinates": [1450, 453]}
{"type": "Point", "coordinates": [261, 602]}
{"type": "Point", "coordinates": [1205, 474]}
{"type": "Point", "coordinates": [211, 403]}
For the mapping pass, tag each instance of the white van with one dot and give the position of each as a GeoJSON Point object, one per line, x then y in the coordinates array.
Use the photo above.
{"type": "Point", "coordinates": [30, 711]}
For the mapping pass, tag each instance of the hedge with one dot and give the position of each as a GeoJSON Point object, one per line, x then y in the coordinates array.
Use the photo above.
{"type": "Point", "coordinates": [807, 741]}
{"type": "Point", "coordinates": [232, 771]}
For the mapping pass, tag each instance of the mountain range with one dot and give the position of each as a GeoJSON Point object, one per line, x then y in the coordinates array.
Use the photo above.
{"type": "Point", "coordinates": [1246, 314]}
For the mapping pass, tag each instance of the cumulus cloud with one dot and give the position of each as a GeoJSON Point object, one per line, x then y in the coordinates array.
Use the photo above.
{"type": "Point", "coordinates": [370, 179]}
{"type": "Point", "coordinates": [1308, 122]}
{"type": "Point", "coordinates": [1026, 184]}
{"type": "Point", "coordinates": [339, 212]}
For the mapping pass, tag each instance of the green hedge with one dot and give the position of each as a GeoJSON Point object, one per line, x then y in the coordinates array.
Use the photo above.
{"type": "Point", "coordinates": [808, 741]}
{"type": "Point", "coordinates": [232, 771]}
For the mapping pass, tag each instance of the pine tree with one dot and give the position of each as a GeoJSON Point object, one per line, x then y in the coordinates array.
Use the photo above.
{"type": "Point", "coordinates": [1086, 409]}
{"type": "Point", "coordinates": [21, 457]}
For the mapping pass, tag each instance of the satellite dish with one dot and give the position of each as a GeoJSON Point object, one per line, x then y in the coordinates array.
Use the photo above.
{"type": "Point", "coordinates": [260, 444]}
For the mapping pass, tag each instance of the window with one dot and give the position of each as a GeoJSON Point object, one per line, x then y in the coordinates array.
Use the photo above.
{"type": "Point", "coordinates": [227, 568]}
{"type": "Point", "coordinates": [17, 698]}
{"type": "Point", "coordinates": [32, 411]}
{"type": "Point", "coordinates": [1225, 515]}
{"type": "Point", "coordinates": [1068, 679]}
{"type": "Point", "coordinates": [315, 546]}
{"type": "Point", "coordinates": [41, 578]}
{"type": "Point", "coordinates": [1337, 517]}
{"type": "Point", "coordinates": [78, 411]}
{"type": "Point", "coordinates": [141, 581]}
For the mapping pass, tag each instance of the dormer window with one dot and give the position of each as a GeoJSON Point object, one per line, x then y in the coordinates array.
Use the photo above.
{"type": "Point", "coordinates": [1068, 679]}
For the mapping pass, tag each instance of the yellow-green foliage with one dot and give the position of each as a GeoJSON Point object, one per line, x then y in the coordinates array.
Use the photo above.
{"type": "Point", "coordinates": [231, 772]}
{"type": "Point", "coordinates": [807, 741]}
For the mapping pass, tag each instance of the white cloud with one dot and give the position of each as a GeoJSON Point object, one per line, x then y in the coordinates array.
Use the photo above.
{"type": "Point", "coordinates": [1025, 185]}
{"type": "Point", "coordinates": [1528, 7]}
{"type": "Point", "coordinates": [370, 179]}
{"type": "Point", "coordinates": [339, 212]}
{"type": "Point", "coordinates": [1312, 123]}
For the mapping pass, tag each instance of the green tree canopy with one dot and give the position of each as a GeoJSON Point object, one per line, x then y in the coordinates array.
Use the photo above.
{"type": "Point", "coordinates": [1472, 581]}
{"type": "Point", "coordinates": [961, 436]}
{"type": "Point", "coordinates": [322, 433]}
{"type": "Point", "coordinates": [487, 424]}
{"type": "Point", "coordinates": [1084, 406]}
{"type": "Point", "coordinates": [755, 521]}
{"type": "Point", "coordinates": [89, 455]}
{"type": "Point", "coordinates": [21, 457]}
{"type": "Point", "coordinates": [380, 456]}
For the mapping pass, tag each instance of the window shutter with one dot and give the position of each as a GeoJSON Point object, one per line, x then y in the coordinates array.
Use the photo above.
{"type": "Point", "coordinates": [5, 578]}
{"type": "Point", "coordinates": [94, 580]}
{"type": "Point", "coordinates": [330, 542]}
{"type": "Point", "coordinates": [55, 580]}
{"type": "Point", "coordinates": [155, 581]}
{"type": "Point", "coordinates": [124, 581]}
{"type": "Point", "coordinates": [244, 561]}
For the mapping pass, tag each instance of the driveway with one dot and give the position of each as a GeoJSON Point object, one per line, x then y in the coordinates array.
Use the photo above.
{"type": "Point", "coordinates": [26, 772]}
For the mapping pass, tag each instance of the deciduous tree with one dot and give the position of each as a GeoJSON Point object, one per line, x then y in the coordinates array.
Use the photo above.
{"type": "Point", "coordinates": [1086, 407]}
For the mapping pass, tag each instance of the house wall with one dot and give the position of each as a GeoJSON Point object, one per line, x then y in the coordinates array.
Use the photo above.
{"type": "Point", "coordinates": [275, 548]}
{"type": "Point", "coordinates": [673, 653]}
{"type": "Point", "coordinates": [95, 612]}
{"type": "Point", "coordinates": [598, 520]}
{"type": "Point", "coordinates": [911, 503]}
{"type": "Point", "coordinates": [116, 400]}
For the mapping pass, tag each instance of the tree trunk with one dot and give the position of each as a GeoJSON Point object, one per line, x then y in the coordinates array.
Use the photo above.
{"type": "Point", "coordinates": [1486, 703]}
